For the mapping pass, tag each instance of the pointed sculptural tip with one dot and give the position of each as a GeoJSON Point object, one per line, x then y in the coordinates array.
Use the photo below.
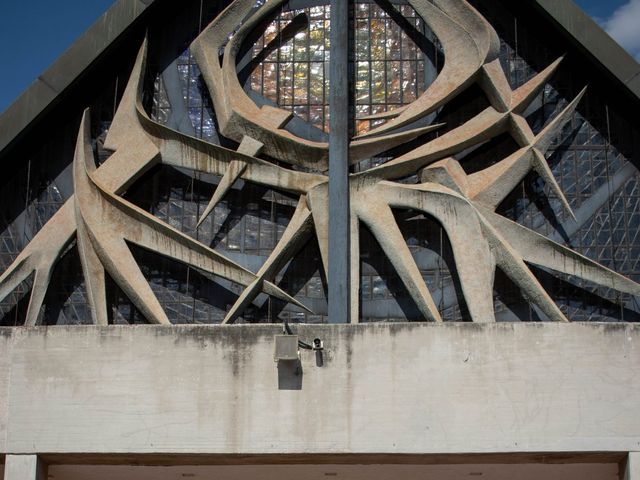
{"type": "Point", "coordinates": [125, 120]}
{"type": "Point", "coordinates": [233, 173]}
{"type": "Point", "coordinates": [84, 152]}
{"type": "Point", "coordinates": [552, 130]}
{"type": "Point", "coordinates": [524, 95]}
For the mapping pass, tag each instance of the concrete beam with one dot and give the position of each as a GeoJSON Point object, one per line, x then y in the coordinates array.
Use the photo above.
{"type": "Point", "coordinates": [403, 389]}
{"type": "Point", "coordinates": [24, 467]}
{"type": "Point", "coordinates": [594, 40]}
{"type": "Point", "coordinates": [47, 88]}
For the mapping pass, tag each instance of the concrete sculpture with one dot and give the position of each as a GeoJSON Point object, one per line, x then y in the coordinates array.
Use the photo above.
{"type": "Point", "coordinates": [102, 222]}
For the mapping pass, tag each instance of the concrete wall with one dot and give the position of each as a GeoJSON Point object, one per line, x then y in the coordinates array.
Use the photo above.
{"type": "Point", "coordinates": [404, 388]}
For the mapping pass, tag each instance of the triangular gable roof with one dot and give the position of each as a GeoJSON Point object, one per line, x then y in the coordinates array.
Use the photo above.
{"type": "Point", "coordinates": [584, 32]}
{"type": "Point", "coordinates": [46, 90]}
{"type": "Point", "coordinates": [49, 88]}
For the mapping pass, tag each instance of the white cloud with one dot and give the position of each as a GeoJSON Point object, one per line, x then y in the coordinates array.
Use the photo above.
{"type": "Point", "coordinates": [624, 26]}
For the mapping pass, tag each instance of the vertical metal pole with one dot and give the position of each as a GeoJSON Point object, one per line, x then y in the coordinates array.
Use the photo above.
{"type": "Point", "coordinates": [339, 284]}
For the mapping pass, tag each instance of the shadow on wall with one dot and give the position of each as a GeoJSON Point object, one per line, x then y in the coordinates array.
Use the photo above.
{"type": "Point", "coordinates": [290, 375]}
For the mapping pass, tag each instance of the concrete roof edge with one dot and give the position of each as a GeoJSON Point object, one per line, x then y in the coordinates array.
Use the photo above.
{"type": "Point", "coordinates": [595, 40]}
{"type": "Point", "coordinates": [61, 74]}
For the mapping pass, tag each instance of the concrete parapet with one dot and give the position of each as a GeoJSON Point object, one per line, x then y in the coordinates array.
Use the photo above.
{"type": "Point", "coordinates": [392, 388]}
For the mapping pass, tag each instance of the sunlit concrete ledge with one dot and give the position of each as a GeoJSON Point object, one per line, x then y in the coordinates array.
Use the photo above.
{"type": "Point", "coordinates": [384, 388]}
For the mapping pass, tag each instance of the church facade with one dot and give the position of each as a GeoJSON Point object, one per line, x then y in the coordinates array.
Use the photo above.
{"type": "Point", "coordinates": [376, 238]}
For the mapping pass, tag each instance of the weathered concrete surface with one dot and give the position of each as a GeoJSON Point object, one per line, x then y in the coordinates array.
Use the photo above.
{"type": "Point", "coordinates": [404, 388]}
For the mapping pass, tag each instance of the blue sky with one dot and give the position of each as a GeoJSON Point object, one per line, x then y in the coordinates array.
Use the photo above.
{"type": "Point", "coordinates": [34, 33]}
{"type": "Point", "coordinates": [600, 9]}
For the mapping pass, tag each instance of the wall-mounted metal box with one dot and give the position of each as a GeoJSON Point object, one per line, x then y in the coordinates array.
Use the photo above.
{"type": "Point", "coordinates": [286, 348]}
